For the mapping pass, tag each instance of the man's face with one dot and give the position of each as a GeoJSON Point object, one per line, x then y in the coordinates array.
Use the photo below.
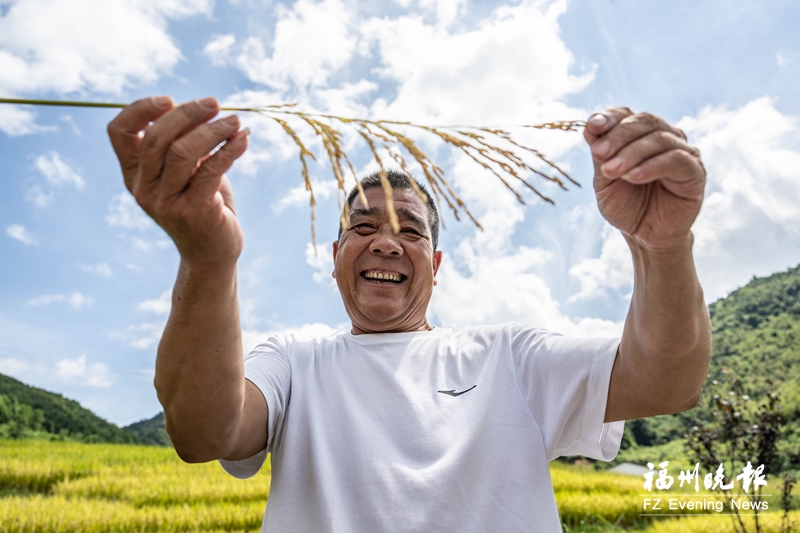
{"type": "Point", "coordinates": [386, 280]}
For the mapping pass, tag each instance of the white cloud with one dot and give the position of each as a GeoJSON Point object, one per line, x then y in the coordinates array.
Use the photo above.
{"type": "Point", "coordinates": [123, 212]}
{"type": "Point", "coordinates": [611, 272]}
{"type": "Point", "coordinates": [18, 232]}
{"type": "Point", "coordinates": [781, 59]}
{"type": "Point", "coordinates": [312, 40]}
{"type": "Point", "coordinates": [447, 11]}
{"type": "Point", "coordinates": [53, 46]}
{"type": "Point", "coordinates": [218, 50]}
{"type": "Point", "coordinates": [140, 244]}
{"type": "Point", "coordinates": [57, 172]}
{"type": "Point", "coordinates": [159, 306]}
{"type": "Point", "coordinates": [65, 47]}
{"type": "Point", "coordinates": [486, 279]}
{"type": "Point", "coordinates": [299, 197]}
{"type": "Point", "coordinates": [252, 338]}
{"type": "Point", "coordinates": [101, 269]}
{"type": "Point", "coordinates": [71, 122]}
{"type": "Point", "coordinates": [70, 368]}
{"type": "Point", "coordinates": [38, 198]}
{"type": "Point", "coordinates": [345, 100]}
{"type": "Point", "coordinates": [750, 220]}
{"type": "Point", "coordinates": [93, 375]}
{"type": "Point", "coordinates": [321, 261]}
{"type": "Point", "coordinates": [76, 300]}
{"type": "Point", "coordinates": [12, 367]}
{"type": "Point", "coordinates": [141, 336]}
{"type": "Point", "coordinates": [15, 120]}
{"type": "Point", "coordinates": [513, 65]}
{"type": "Point", "coordinates": [492, 289]}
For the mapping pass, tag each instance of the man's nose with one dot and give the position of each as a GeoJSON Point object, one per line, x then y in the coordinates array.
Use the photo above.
{"type": "Point", "coordinates": [385, 243]}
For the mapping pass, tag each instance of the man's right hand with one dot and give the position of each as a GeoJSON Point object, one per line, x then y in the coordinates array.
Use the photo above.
{"type": "Point", "coordinates": [165, 154]}
{"type": "Point", "coordinates": [211, 411]}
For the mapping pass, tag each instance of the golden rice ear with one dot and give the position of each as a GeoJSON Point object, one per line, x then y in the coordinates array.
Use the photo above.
{"type": "Point", "coordinates": [482, 144]}
{"type": "Point", "coordinates": [304, 152]}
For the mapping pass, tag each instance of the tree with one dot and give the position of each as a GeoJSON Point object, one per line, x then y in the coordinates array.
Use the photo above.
{"type": "Point", "coordinates": [737, 432]}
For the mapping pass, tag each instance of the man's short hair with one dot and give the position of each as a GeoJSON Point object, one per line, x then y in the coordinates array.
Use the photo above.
{"type": "Point", "coordinates": [399, 180]}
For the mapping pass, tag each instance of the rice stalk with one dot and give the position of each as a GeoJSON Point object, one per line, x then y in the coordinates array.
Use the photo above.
{"type": "Point", "coordinates": [482, 144]}
{"type": "Point", "coordinates": [303, 154]}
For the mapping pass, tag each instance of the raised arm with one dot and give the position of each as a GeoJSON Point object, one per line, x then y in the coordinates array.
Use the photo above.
{"type": "Point", "coordinates": [649, 184]}
{"type": "Point", "coordinates": [211, 411]}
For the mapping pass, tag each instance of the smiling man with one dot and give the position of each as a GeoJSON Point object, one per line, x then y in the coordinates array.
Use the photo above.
{"type": "Point", "coordinates": [396, 425]}
{"type": "Point", "coordinates": [386, 280]}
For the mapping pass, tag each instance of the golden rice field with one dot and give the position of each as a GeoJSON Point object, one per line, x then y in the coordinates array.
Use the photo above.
{"type": "Point", "coordinates": [71, 487]}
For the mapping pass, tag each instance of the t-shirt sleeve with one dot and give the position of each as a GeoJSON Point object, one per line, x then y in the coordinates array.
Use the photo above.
{"type": "Point", "coordinates": [565, 382]}
{"type": "Point", "coordinates": [269, 369]}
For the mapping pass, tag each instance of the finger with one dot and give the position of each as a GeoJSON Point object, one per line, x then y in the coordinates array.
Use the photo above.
{"type": "Point", "coordinates": [125, 130]}
{"type": "Point", "coordinates": [677, 170]}
{"type": "Point", "coordinates": [162, 133]}
{"type": "Point", "coordinates": [210, 175]}
{"type": "Point", "coordinates": [628, 130]}
{"type": "Point", "coordinates": [183, 155]}
{"type": "Point", "coordinates": [598, 124]}
{"type": "Point", "coordinates": [634, 153]}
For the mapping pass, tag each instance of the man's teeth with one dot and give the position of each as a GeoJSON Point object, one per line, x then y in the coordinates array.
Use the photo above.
{"type": "Point", "coordinates": [383, 276]}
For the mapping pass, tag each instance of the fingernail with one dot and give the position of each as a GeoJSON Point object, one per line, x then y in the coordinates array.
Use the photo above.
{"type": "Point", "coordinates": [598, 119]}
{"type": "Point", "coordinates": [163, 101]}
{"type": "Point", "coordinates": [632, 175]}
{"type": "Point", "coordinates": [602, 148]}
{"type": "Point", "coordinates": [232, 120]}
{"type": "Point", "coordinates": [209, 102]}
{"type": "Point", "coordinates": [241, 134]}
{"type": "Point", "coordinates": [612, 166]}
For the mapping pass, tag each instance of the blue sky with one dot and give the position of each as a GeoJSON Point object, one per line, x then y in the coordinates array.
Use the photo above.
{"type": "Point", "coordinates": [86, 277]}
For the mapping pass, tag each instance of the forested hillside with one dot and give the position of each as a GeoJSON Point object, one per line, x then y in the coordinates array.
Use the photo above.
{"type": "Point", "coordinates": [757, 335]}
{"type": "Point", "coordinates": [151, 431]}
{"type": "Point", "coordinates": [31, 412]}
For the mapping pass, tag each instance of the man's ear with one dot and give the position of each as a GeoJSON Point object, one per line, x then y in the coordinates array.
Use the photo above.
{"type": "Point", "coordinates": [437, 261]}
{"type": "Point", "coordinates": [335, 251]}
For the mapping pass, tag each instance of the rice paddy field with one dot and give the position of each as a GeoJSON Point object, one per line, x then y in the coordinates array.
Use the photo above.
{"type": "Point", "coordinates": [72, 487]}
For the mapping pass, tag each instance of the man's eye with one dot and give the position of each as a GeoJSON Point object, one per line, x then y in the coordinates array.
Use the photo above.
{"type": "Point", "coordinates": [410, 230]}
{"type": "Point", "coordinates": [363, 227]}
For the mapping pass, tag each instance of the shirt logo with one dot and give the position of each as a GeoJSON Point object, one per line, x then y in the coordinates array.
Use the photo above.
{"type": "Point", "coordinates": [454, 393]}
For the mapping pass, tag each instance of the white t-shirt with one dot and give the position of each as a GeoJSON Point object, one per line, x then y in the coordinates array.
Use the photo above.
{"type": "Point", "coordinates": [439, 430]}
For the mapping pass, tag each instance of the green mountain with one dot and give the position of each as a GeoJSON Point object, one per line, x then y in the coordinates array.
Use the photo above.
{"type": "Point", "coordinates": [756, 338]}
{"type": "Point", "coordinates": [756, 332]}
{"type": "Point", "coordinates": [27, 411]}
{"type": "Point", "coordinates": [151, 431]}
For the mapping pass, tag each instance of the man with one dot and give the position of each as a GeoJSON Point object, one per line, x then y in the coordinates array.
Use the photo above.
{"type": "Point", "coordinates": [395, 425]}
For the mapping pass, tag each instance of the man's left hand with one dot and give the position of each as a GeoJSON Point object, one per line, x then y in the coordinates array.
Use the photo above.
{"type": "Point", "coordinates": [648, 180]}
